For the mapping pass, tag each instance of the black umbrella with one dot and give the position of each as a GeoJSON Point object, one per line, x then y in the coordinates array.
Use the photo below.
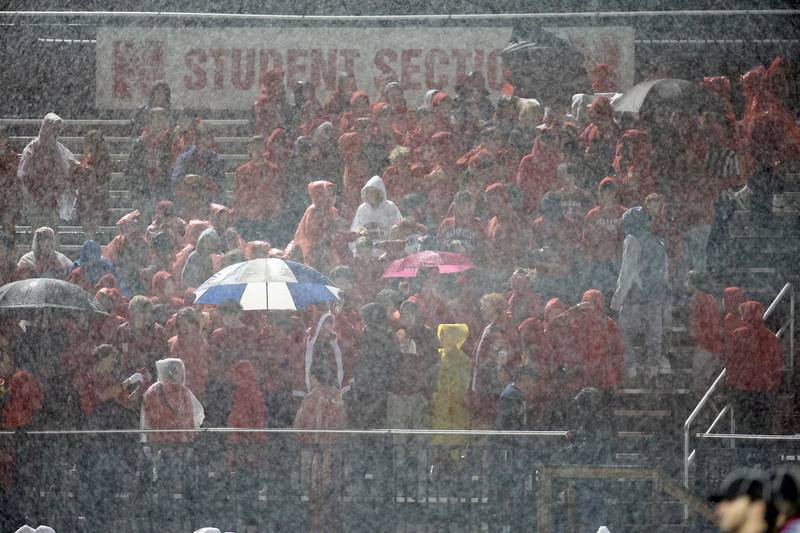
{"type": "Point", "coordinates": [26, 297]}
{"type": "Point", "coordinates": [668, 94]}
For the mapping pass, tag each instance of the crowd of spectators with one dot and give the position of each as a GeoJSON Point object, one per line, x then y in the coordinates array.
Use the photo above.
{"type": "Point", "coordinates": [582, 233]}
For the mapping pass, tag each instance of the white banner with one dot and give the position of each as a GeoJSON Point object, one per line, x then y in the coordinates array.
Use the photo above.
{"type": "Point", "coordinates": [220, 68]}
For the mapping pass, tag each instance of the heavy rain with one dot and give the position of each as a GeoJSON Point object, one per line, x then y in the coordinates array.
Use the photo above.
{"type": "Point", "coordinates": [488, 266]}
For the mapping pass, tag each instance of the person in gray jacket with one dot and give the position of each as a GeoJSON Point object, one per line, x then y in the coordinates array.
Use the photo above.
{"type": "Point", "coordinates": [642, 294]}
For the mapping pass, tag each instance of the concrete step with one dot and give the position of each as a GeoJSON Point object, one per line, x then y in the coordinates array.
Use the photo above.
{"type": "Point", "coordinates": [124, 144]}
{"type": "Point", "coordinates": [27, 127]}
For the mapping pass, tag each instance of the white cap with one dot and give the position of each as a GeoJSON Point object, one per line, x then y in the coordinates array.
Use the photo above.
{"type": "Point", "coordinates": [207, 530]}
{"type": "Point", "coordinates": [603, 529]}
{"type": "Point", "coordinates": [41, 529]}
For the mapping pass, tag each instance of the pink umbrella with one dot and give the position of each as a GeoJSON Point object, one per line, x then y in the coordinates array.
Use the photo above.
{"type": "Point", "coordinates": [446, 262]}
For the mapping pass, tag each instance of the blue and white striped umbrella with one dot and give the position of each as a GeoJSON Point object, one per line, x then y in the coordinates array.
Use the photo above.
{"type": "Point", "coordinates": [267, 284]}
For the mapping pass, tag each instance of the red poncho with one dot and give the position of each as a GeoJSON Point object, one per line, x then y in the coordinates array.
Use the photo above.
{"type": "Point", "coordinates": [257, 190]}
{"type": "Point", "coordinates": [193, 351]}
{"type": "Point", "coordinates": [537, 173]}
{"type": "Point", "coordinates": [316, 227]}
{"type": "Point", "coordinates": [248, 409]}
{"type": "Point", "coordinates": [754, 361]}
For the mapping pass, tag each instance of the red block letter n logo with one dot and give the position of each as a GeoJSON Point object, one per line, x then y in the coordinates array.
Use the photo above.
{"type": "Point", "coordinates": [137, 64]}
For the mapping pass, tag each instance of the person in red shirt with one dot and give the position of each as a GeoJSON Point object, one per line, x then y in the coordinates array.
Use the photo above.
{"type": "Point", "coordinates": [601, 238]}
{"type": "Point", "coordinates": [599, 139]}
{"type": "Point", "coordinates": [318, 229]}
{"type": "Point", "coordinates": [507, 235]}
{"type": "Point", "coordinates": [463, 232]}
{"type": "Point", "coordinates": [442, 182]}
{"type": "Point", "coordinates": [418, 139]}
{"type": "Point", "coordinates": [402, 176]}
{"type": "Point", "coordinates": [270, 107]}
{"type": "Point", "coordinates": [706, 330]}
{"type": "Point", "coordinates": [442, 107]}
{"type": "Point", "coordinates": [753, 371]}
{"type": "Point", "coordinates": [128, 251]}
{"type": "Point", "coordinates": [92, 180]}
{"type": "Point", "coordinates": [356, 168]}
{"type": "Point", "coordinates": [190, 346]}
{"type": "Point", "coordinates": [338, 101]}
{"type": "Point", "coordinates": [248, 409]}
{"type": "Point", "coordinates": [164, 290]}
{"type": "Point", "coordinates": [632, 167]}
{"type": "Point", "coordinates": [554, 243]}
{"type": "Point", "coordinates": [521, 301]}
{"type": "Point", "coordinates": [141, 341]}
{"type": "Point", "coordinates": [360, 107]}
{"type": "Point", "coordinates": [605, 366]}
{"type": "Point", "coordinates": [537, 171]}
{"type": "Point", "coordinates": [233, 341]}
{"type": "Point", "coordinates": [322, 408]}
{"type": "Point", "coordinates": [256, 192]}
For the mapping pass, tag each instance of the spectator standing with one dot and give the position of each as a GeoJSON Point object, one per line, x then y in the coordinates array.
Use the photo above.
{"type": "Point", "coordinates": [10, 188]}
{"type": "Point", "coordinates": [169, 404]}
{"type": "Point", "coordinates": [45, 170]}
{"type": "Point", "coordinates": [642, 291]}
{"type": "Point", "coordinates": [150, 163]}
{"type": "Point", "coordinates": [92, 182]}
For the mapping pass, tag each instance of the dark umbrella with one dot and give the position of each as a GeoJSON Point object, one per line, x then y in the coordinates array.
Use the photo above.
{"type": "Point", "coordinates": [668, 94]}
{"type": "Point", "coordinates": [30, 296]}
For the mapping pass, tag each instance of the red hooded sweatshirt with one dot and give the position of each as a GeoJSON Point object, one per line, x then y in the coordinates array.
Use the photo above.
{"type": "Point", "coordinates": [248, 409]}
{"type": "Point", "coordinates": [754, 362]}
{"type": "Point", "coordinates": [257, 190]}
{"type": "Point", "coordinates": [706, 322]}
{"type": "Point", "coordinates": [509, 238]}
{"type": "Point", "coordinates": [537, 171]}
{"type": "Point", "coordinates": [315, 228]}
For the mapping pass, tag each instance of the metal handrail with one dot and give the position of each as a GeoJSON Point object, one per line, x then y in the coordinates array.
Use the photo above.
{"type": "Point", "coordinates": [787, 289]}
{"type": "Point", "coordinates": [747, 436]}
{"type": "Point", "coordinates": [386, 431]}
{"type": "Point", "coordinates": [687, 425]}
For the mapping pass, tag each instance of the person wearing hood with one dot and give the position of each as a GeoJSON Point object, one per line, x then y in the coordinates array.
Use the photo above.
{"type": "Point", "coordinates": [203, 160]}
{"type": "Point", "coordinates": [128, 251]}
{"type": "Point", "coordinates": [402, 176]}
{"type": "Point", "coordinates": [754, 365]}
{"type": "Point", "coordinates": [45, 170]}
{"type": "Point", "coordinates": [187, 245]}
{"type": "Point", "coordinates": [200, 264]}
{"type": "Point", "coordinates": [377, 214]}
{"type": "Point", "coordinates": [43, 261]}
{"type": "Point", "coordinates": [641, 293]}
{"type": "Point", "coordinates": [601, 237]}
{"type": "Point", "coordinates": [323, 407]}
{"type": "Point", "coordinates": [150, 162]}
{"type": "Point", "coordinates": [318, 229]}
{"type": "Point", "coordinates": [270, 107]}
{"type": "Point", "coordinates": [360, 107]}
{"type": "Point", "coordinates": [91, 266]}
{"type": "Point", "coordinates": [323, 342]}
{"type": "Point", "coordinates": [537, 171]}
{"type": "Point", "coordinates": [169, 404]}
{"type": "Point", "coordinates": [450, 405]}
{"type": "Point", "coordinates": [377, 357]}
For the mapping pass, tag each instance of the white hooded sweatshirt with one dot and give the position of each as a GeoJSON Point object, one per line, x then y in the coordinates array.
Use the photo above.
{"type": "Point", "coordinates": [376, 220]}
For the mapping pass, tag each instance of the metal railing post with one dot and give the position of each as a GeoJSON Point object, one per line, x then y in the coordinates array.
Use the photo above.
{"type": "Point", "coordinates": [791, 331]}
